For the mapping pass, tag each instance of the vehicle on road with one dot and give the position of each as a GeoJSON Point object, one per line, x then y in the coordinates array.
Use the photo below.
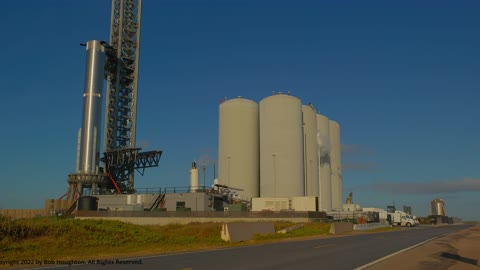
{"type": "Point", "coordinates": [400, 218]}
{"type": "Point", "coordinates": [417, 222]}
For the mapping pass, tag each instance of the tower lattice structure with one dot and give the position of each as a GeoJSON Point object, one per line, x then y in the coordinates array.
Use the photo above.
{"type": "Point", "coordinates": [121, 97]}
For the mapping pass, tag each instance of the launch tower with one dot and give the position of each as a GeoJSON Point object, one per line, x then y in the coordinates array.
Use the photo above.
{"type": "Point", "coordinates": [117, 62]}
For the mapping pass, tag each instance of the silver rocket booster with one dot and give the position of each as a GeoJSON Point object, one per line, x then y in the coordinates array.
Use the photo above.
{"type": "Point", "coordinates": [88, 156]}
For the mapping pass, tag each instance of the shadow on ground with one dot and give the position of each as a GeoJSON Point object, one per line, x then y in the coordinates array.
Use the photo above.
{"type": "Point", "coordinates": [459, 258]}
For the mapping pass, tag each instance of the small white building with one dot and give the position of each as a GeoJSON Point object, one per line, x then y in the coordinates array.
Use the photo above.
{"type": "Point", "coordinates": [300, 204]}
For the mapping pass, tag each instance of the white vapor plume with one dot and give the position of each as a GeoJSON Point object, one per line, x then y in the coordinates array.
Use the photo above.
{"type": "Point", "coordinates": [324, 143]}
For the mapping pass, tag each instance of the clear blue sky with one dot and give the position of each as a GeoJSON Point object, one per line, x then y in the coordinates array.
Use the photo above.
{"type": "Point", "coordinates": [401, 78]}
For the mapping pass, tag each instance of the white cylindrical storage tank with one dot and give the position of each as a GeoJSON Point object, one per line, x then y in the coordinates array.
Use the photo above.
{"type": "Point", "coordinates": [336, 166]}
{"type": "Point", "coordinates": [310, 156]}
{"type": "Point", "coordinates": [238, 146]}
{"type": "Point", "coordinates": [194, 178]}
{"type": "Point", "coordinates": [324, 159]}
{"type": "Point", "coordinates": [281, 147]}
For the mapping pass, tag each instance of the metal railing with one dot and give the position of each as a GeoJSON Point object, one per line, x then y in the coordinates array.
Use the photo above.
{"type": "Point", "coordinates": [157, 190]}
{"type": "Point", "coordinates": [370, 226]}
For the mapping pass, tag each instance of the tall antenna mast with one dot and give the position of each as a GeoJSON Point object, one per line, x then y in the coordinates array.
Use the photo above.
{"type": "Point", "coordinates": [204, 164]}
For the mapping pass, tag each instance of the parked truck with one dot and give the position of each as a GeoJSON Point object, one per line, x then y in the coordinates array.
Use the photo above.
{"type": "Point", "coordinates": [400, 218]}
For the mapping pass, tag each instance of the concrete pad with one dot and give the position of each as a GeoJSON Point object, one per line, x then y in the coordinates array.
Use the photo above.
{"type": "Point", "coordinates": [244, 231]}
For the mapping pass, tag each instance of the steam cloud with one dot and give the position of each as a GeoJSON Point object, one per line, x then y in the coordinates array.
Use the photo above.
{"type": "Point", "coordinates": [323, 141]}
{"type": "Point", "coordinates": [433, 187]}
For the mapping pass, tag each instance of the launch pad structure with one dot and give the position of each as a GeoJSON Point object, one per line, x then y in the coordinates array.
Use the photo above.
{"type": "Point", "coordinates": [117, 62]}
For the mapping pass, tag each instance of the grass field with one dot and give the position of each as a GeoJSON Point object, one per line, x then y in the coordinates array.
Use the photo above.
{"type": "Point", "coordinates": [65, 238]}
{"type": "Point", "coordinates": [54, 238]}
{"type": "Point", "coordinates": [61, 238]}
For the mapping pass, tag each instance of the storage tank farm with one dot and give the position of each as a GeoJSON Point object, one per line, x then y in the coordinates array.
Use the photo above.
{"type": "Point", "coordinates": [238, 146]}
{"type": "Point", "coordinates": [310, 163]}
{"type": "Point", "coordinates": [281, 147]}
{"type": "Point", "coordinates": [323, 140]}
{"type": "Point", "coordinates": [336, 166]}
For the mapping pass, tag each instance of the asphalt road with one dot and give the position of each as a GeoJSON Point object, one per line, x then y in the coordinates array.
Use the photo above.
{"type": "Point", "coordinates": [346, 252]}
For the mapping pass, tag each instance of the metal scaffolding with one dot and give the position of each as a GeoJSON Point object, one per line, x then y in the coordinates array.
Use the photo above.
{"type": "Point", "coordinates": [122, 84]}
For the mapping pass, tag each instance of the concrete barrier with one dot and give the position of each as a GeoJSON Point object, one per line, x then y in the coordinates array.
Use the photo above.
{"type": "Point", "coordinates": [341, 227]}
{"type": "Point", "coordinates": [244, 231]}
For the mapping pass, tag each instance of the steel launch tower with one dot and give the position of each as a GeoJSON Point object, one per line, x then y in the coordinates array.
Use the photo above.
{"type": "Point", "coordinates": [117, 62]}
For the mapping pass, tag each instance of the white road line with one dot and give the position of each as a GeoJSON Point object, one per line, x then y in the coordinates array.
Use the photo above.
{"type": "Point", "coordinates": [398, 252]}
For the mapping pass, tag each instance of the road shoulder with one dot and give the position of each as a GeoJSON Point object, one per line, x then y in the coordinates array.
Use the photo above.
{"type": "Point", "coordinates": [454, 251]}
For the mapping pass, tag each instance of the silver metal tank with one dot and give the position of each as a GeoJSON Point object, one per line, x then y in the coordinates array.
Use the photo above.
{"type": "Point", "coordinates": [310, 150]}
{"type": "Point", "coordinates": [89, 141]}
{"type": "Point", "coordinates": [323, 153]}
{"type": "Point", "coordinates": [281, 147]}
{"type": "Point", "coordinates": [238, 146]}
{"type": "Point", "coordinates": [336, 166]}
{"type": "Point", "coordinates": [438, 207]}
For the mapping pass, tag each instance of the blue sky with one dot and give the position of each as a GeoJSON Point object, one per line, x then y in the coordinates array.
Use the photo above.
{"type": "Point", "coordinates": [401, 78]}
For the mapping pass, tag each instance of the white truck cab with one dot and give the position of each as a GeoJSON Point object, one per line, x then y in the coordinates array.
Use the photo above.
{"type": "Point", "coordinates": [400, 218]}
{"type": "Point", "coordinates": [415, 219]}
